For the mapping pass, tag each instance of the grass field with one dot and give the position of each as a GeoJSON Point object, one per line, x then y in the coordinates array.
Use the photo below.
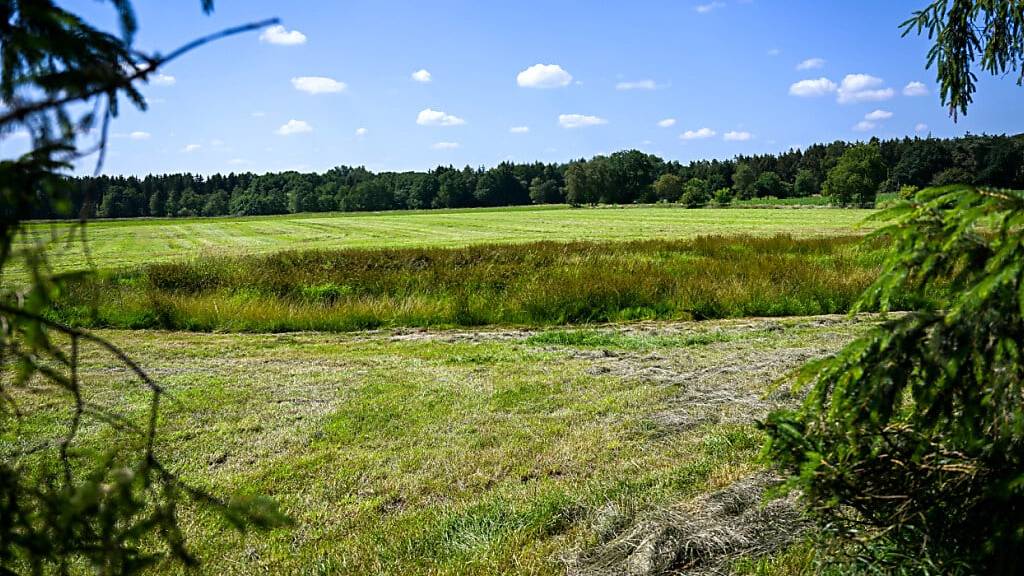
{"type": "Point", "coordinates": [524, 285]}
{"type": "Point", "coordinates": [501, 452]}
{"type": "Point", "coordinates": [523, 449]}
{"type": "Point", "coordinates": [124, 243]}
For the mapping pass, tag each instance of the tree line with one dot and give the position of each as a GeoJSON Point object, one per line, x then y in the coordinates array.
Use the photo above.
{"type": "Point", "coordinates": [849, 173]}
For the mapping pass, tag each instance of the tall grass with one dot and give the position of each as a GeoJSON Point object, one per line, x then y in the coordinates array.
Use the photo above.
{"type": "Point", "coordinates": [543, 283]}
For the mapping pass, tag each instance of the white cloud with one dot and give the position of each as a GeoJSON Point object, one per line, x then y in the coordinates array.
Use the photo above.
{"type": "Point", "coordinates": [811, 64]}
{"type": "Point", "coordinates": [431, 117]}
{"type": "Point", "coordinates": [878, 115]}
{"type": "Point", "coordinates": [812, 88]}
{"type": "Point", "coordinates": [579, 121]}
{"type": "Point", "coordinates": [159, 79]}
{"type": "Point", "coordinates": [698, 134]}
{"type": "Point", "coordinates": [862, 88]}
{"type": "Point", "coordinates": [864, 126]}
{"type": "Point", "coordinates": [921, 127]}
{"type": "Point", "coordinates": [735, 136]}
{"type": "Point", "coordinates": [709, 7]}
{"type": "Point", "coordinates": [519, 129]}
{"type": "Point", "coordinates": [238, 161]}
{"type": "Point", "coordinates": [637, 85]}
{"type": "Point", "coordinates": [216, 142]}
{"type": "Point", "coordinates": [282, 37]}
{"type": "Point", "coordinates": [140, 135]}
{"type": "Point", "coordinates": [422, 76]}
{"type": "Point", "coordinates": [915, 89]}
{"type": "Point", "coordinates": [362, 131]}
{"type": "Point", "coordinates": [667, 123]}
{"type": "Point", "coordinates": [318, 85]}
{"type": "Point", "coordinates": [446, 146]}
{"type": "Point", "coordinates": [544, 76]}
{"type": "Point", "coordinates": [19, 135]}
{"type": "Point", "coordinates": [191, 148]}
{"type": "Point", "coordinates": [294, 127]}
{"type": "Point", "coordinates": [258, 114]}
{"type": "Point", "coordinates": [774, 52]}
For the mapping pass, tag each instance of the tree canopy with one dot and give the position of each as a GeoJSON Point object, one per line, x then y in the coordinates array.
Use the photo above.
{"type": "Point", "coordinates": [624, 178]}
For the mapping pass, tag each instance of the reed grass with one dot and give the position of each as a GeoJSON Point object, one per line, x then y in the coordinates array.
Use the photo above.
{"type": "Point", "coordinates": [538, 284]}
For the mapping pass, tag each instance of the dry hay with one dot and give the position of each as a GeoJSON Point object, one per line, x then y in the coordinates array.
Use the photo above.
{"type": "Point", "coordinates": [698, 537]}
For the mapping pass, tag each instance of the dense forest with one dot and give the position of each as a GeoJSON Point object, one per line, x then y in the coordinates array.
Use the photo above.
{"type": "Point", "coordinates": [850, 173]}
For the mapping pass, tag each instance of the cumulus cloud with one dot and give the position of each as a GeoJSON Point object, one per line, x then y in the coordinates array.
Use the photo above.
{"type": "Point", "coordinates": [282, 36]}
{"type": "Point", "coordinates": [362, 131]}
{"type": "Point", "coordinates": [812, 88]}
{"type": "Point", "coordinates": [737, 136]}
{"type": "Point", "coordinates": [811, 64]}
{"type": "Point", "coordinates": [159, 79]}
{"type": "Point", "coordinates": [921, 127]}
{"type": "Point", "coordinates": [579, 121]}
{"type": "Point", "coordinates": [709, 7]}
{"type": "Point", "coordinates": [878, 115]}
{"type": "Point", "coordinates": [864, 126]}
{"type": "Point", "coordinates": [667, 123]}
{"type": "Point", "coordinates": [422, 76]}
{"type": "Point", "coordinates": [915, 89]}
{"type": "Point", "coordinates": [519, 129]}
{"type": "Point", "coordinates": [544, 76]}
{"type": "Point", "coordinates": [318, 85]}
{"type": "Point", "coordinates": [191, 148]}
{"type": "Point", "coordinates": [862, 88]}
{"type": "Point", "coordinates": [431, 117]}
{"type": "Point", "coordinates": [698, 134]}
{"type": "Point", "coordinates": [637, 85]}
{"type": "Point", "coordinates": [445, 146]}
{"type": "Point", "coordinates": [140, 135]}
{"type": "Point", "coordinates": [294, 127]}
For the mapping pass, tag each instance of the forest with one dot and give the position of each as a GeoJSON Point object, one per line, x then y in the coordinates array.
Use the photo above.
{"type": "Point", "coordinates": [627, 177]}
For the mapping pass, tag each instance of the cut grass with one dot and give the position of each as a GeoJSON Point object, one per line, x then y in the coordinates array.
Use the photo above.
{"type": "Point", "coordinates": [624, 341]}
{"type": "Point", "coordinates": [124, 243]}
{"type": "Point", "coordinates": [449, 453]}
{"type": "Point", "coordinates": [772, 202]}
{"type": "Point", "coordinates": [536, 284]}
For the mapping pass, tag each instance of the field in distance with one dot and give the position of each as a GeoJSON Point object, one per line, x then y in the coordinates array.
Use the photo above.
{"type": "Point", "coordinates": [123, 243]}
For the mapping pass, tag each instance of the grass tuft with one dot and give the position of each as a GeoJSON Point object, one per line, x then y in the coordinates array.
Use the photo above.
{"type": "Point", "coordinates": [540, 284]}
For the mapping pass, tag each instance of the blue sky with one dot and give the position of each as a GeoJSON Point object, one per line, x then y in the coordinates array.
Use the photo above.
{"type": "Point", "coordinates": [336, 85]}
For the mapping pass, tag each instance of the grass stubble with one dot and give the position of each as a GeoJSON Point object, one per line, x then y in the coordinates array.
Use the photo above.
{"type": "Point", "coordinates": [468, 452]}
{"type": "Point", "coordinates": [526, 447]}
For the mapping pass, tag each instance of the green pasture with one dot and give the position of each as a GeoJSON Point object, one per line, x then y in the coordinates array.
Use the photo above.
{"type": "Point", "coordinates": [417, 452]}
{"type": "Point", "coordinates": [122, 243]}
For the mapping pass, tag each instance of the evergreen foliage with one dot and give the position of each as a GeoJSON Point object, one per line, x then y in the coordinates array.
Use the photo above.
{"type": "Point", "coordinates": [63, 507]}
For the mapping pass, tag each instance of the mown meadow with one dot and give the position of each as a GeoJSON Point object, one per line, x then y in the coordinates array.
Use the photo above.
{"type": "Point", "coordinates": [543, 283]}
{"type": "Point", "coordinates": [535, 446]}
{"type": "Point", "coordinates": [133, 242]}
{"type": "Point", "coordinates": [444, 453]}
